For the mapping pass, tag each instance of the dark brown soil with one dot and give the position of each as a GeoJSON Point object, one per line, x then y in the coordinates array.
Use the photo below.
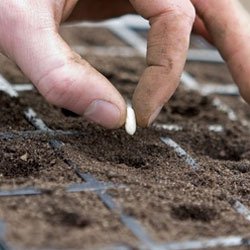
{"type": "Point", "coordinates": [62, 221]}
{"type": "Point", "coordinates": [86, 37]}
{"type": "Point", "coordinates": [172, 201]}
{"type": "Point", "coordinates": [212, 73]}
{"type": "Point", "coordinates": [28, 162]}
{"type": "Point", "coordinates": [15, 120]}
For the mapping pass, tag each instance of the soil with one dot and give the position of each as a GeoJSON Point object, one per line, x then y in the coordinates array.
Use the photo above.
{"type": "Point", "coordinates": [62, 221]}
{"type": "Point", "coordinates": [28, 162]}
{"type": "Point", "coordinates": [171, 200]}
{"type": "Point", "coordinates": [16, 120]}
{"type": "Point", "coordinates": [209, 73]}
{"type": "Point", "coordinates": [11, 71]}
{"type": "Point", "coordinates": [86, 36]}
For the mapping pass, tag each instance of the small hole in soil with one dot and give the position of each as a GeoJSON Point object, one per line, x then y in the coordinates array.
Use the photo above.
{"type": "Point", "coordinates": [66, 218]}
{"type": "Point", "coordinates": [119, 148]}
{"type": "Point", "coordinates": [221, 148]}
{"type": "Point", "coordinates": [20, 169]}
{"type": "Point", "coordinates": [147, 156]}
{"type": "Point", "coordinates": [131, 160]}
{"type": "Point", "coordinates": [11, 114]}
{"type": "Point", "coordinates": [196, 104]}
{"type": "Point", "coordinates": [73, 219]}
{"type": "Point", "coordinates": [242, 166]}
{"type": "Point", "coordinates": [187, 111]}
{"type": "Point", "coordinates": [12, 164]}
{"type": "Point", "coordinates": [194, 212]}
{"type": "Point", "coordinates": [24, 158]}
{"type": "Point", "coordinates": [231, 145]}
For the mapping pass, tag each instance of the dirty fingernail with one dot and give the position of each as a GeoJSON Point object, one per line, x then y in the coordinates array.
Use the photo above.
{"type": "Point", "coordinates": [154, 115]}
{"type": "Point", "coordinates": [103, 113]}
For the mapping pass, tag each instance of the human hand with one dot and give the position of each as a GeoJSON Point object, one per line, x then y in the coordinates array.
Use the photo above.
{"type": "Point", "coordinates": [68, 81]}
{"type": "Point", "coordinates": [29, 36]}
{"type": "Point", "coordinates": [223, 22]}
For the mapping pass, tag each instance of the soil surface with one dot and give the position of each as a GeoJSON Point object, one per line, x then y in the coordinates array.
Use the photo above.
{"type": "Point", "coordinates": [172, 200]}
{"type": "Point", "coordinates": [15, 120]}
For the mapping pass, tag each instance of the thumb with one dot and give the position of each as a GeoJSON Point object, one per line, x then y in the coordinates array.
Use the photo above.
{"type": "Point", "coordinates": [61, 76]}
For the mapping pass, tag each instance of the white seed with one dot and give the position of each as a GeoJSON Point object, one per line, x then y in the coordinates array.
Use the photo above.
{"type": "Point", "coordinates": [130, 125]}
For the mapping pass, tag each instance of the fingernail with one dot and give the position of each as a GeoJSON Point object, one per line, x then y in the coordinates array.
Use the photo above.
{"type": "Point", "coordinates": [103, 113]}
{"type": "Point", "coordinates": [154, 115]}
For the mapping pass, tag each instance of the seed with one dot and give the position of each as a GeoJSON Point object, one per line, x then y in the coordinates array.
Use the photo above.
{"type": "Point", "coordinates": [130, 125]}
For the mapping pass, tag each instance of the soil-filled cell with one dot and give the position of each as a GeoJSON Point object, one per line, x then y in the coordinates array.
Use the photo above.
{"type": "Point", "coordinates": [12, 114]}
{"type": "Point", "coordinates": [27, 162]}
{"type": "Point", "coordinates": [62, 221]}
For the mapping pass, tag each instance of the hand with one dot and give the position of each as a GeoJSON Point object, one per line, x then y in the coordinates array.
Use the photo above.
{"type": "Point", "coordinates": [29, 36]}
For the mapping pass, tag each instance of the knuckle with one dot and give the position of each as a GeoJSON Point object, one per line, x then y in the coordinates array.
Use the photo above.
{"type": "Point", "coordinates": [185, 12]}
{"type": "Point", "coordinates": [181, 13]}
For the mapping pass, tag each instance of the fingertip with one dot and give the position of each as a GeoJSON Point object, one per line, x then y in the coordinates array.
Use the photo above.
{"type": "Point", "coordinates": [142, 113]}
{"type": "Point", "coordinates": [78, 87]}
{"type": "Point", "coordinates": [153, 90]}
{"type": "Point", "coordinates": [244, 89]}
{"type": "Point", "coordinates": [145, 119]}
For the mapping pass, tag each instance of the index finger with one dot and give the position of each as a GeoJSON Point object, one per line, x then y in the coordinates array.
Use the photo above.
{"type": "Point", "coordinates": [230, 31]}
{"type": "Point", "coordinates": [168, 41]}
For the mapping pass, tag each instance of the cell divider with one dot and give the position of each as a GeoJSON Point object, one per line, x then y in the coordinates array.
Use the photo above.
{"type": "Point", "coordinates": [73, 188]}
{"type": "Point", "coordinates": [221, 242]}
{"type": "Point", "coordinates": [181, 152]}
{"type": "Point", "coordinates": [131, 223]}
{"type": "Point", "coordinates": [3, 245]}
{"type": "Point", "coordinates": [241, 209]}
{"type": "Point", "coordinates": [37, 133]}
{"type": "Point", "coordinates": [7, 88]}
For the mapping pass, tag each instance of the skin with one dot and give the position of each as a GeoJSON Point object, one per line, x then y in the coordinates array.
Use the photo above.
{"type": "Point", "coordinates": [29, 36]}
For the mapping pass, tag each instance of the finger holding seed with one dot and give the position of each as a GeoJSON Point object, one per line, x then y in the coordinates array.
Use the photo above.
{"type": "Point", "coordinates": [61, 76]}
{"type": "Point", "coordinates": [168, 41]}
